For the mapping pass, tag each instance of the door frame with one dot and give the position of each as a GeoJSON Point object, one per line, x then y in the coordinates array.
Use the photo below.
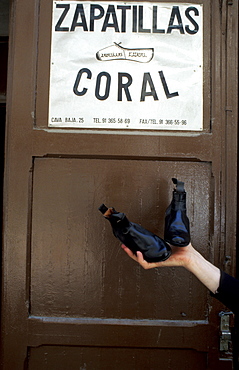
{"type": "Point", "coordinates": [225, 106]}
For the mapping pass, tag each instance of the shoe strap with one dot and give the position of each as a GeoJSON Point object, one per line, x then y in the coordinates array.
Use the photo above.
{"type": "Point", "coordinates": [179, 185]}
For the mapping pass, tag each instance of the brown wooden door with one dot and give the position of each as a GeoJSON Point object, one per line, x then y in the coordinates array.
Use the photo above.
{"type": "Point", "coordinates": [71, 298]}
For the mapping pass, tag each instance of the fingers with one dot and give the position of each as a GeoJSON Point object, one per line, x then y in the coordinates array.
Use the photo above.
{"type": "Point", "coordinates": [179, 257]}
{"type": "Point", "coordinates": [139, 258]}
{"type": "Point", "coordinates": [146, 265]}
{"type": "Point", "coordinates": [129, 252]}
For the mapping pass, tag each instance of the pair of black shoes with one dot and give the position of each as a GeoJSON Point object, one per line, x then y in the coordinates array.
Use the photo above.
{"type": "Point", "coordinates": [154, 248]}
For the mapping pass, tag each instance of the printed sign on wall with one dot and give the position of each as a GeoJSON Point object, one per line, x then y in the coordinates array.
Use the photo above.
{"type": "Point", "coordinates": [123, 65]}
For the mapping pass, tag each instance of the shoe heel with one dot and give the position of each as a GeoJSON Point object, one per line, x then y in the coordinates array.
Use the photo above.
{"type": "Point", "coordinates": [177, 229]}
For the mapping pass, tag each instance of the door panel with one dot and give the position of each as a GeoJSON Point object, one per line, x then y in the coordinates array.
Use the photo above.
{"type": "Point", "coordinates": [71, 299]}
{"type": "Point", "coordinates": [114, 358]}
{"type": "Point", "coordinates": [77, 267]}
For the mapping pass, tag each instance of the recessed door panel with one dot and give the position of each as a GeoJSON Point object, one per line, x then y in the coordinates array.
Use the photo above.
{"type": "Point", "coordinates": [114, 358]}
{"type": "Point", "coordinates": [77, 266]}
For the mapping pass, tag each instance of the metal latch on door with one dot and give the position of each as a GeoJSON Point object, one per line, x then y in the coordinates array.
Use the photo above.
{"type": "Point", "coordinates": [225, 335]}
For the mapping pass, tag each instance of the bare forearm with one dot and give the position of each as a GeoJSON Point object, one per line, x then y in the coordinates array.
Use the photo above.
{"type": "Point", "coordinates": [206, 272]}
{"type": "Point", "coordinates": [189, 258]}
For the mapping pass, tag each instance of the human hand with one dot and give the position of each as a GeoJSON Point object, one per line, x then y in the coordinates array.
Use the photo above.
{"type": "Point", "coordinates": [187, 257]}
{"type": "Point", "coordinates": [180, 257]}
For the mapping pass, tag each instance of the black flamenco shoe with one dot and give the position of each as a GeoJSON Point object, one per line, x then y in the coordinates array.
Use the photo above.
{"type": "Point", "coordinates": [135, 237]}
{"type": "Point", "coordinates": [177, 230]}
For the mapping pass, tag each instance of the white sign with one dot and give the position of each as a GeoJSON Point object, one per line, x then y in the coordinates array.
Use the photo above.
{"type": "Point", "coordinates": [126, 65]}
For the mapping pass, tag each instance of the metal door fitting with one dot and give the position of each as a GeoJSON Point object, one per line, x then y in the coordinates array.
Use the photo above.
{"type": "Point", "coordinates": [225, 332]}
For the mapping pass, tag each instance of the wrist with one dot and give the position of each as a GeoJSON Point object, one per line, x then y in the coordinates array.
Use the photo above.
{"type": "Point", "coordinates": [193, 259]}
{"type": "Point", "coordinates": [204, 270]}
